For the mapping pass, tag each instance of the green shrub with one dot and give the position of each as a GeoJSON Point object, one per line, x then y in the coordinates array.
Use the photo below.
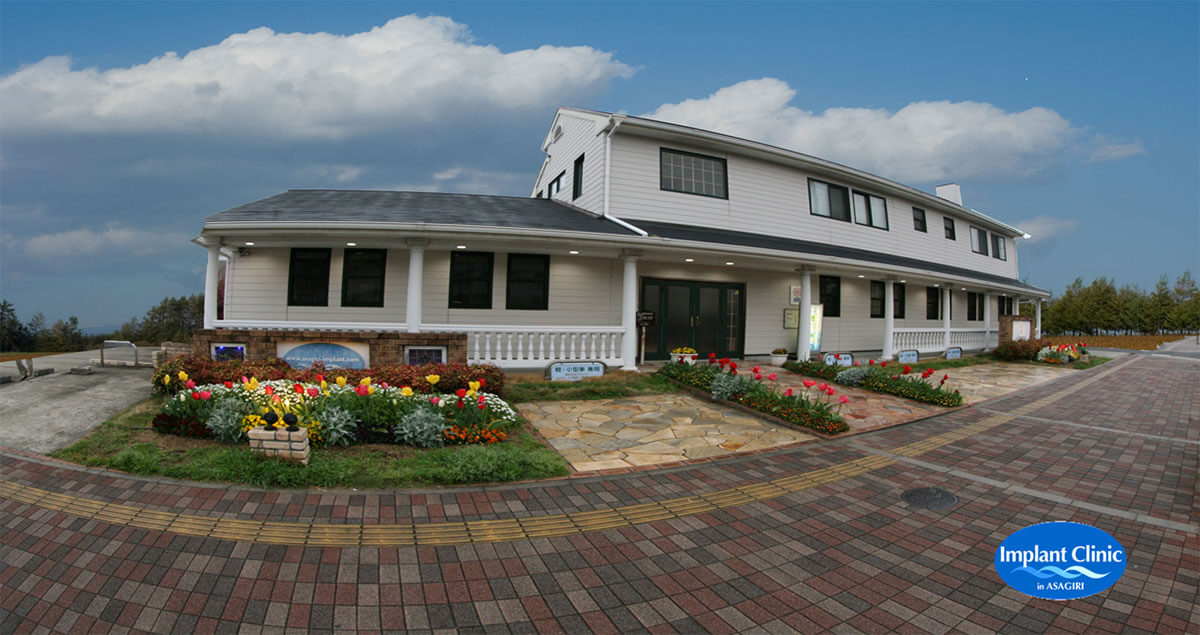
{"type": "Point", "coordinates": [911, 387]}
{"type": "Point", "coordinates": [855, 376]}
{"type": "Point", "coordinates": [726, 385]}
{"type": "Point", "coordinates": [698, 376]}
{"type": "Point", "coordinates": [1025, 350]}
{"type": "Point", "coordinates": [421, 428]}
{"type": "Point", "coordinates": [225, 422]}
{"type": "Point", "coordinates": [338, 426]}
{"type": "Point", "coordinates": [814, 368]}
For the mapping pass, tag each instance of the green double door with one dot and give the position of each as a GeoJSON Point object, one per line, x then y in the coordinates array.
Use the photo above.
{"type": "Point", "coordinates": [706, 316]}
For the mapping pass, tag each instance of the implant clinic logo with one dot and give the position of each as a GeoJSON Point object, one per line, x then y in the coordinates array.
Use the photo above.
{"type": "Point", "coordinates": [1060, 560]}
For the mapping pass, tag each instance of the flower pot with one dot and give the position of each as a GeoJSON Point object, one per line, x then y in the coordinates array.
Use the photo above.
{"type": "Point", "coordinates": [684, 357]}
{"type": "Point", "coordinates": [778, 360]}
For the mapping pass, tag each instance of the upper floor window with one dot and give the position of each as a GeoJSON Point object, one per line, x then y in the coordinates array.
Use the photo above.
{"type": "Point", "coordinates": [831, 296]}
{"type": "Point", "coordinates": [919, 219]}
{"type": "Point", "coordinates": [577, 179]}
{"type": "Point", "coordinates": [362, 277]}
{"type": "Point", "coordinates": [528, 282]}
{"type": "Point", "coordinates": [998, 247]}
{"type": "Point", "coordinates": [556, 185]}
{"type": "Point", "coordinates": [950, 233]}
{"type": "Point", "coordinates": [308, 277]}
{"type": "Point", "coordinates": [471, 279]}
{"type": "Point", "coordinates": [825, 199]}
{"type": "Point", "coordinates": [870, 210]}
{"type": "Point", "coordinates": [974, 307]}
{"type": "Point", "coordinates": [690, 173]}
{"type": "Point", "coordinates": [979, 241]}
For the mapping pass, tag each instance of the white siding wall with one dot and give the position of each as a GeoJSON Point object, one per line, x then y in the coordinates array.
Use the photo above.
{"type": "Point", "coordinates": [258, 288]}
{"type": "Point", "coordinates": [772, 199]}
{"type": "Point", "coordinates": [579, 137]}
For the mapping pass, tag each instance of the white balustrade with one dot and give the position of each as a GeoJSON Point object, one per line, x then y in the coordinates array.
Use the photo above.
{"type": "Point", "coordinates": [932, 340]}
{"type": "Point", "coordinates": [536, 346]}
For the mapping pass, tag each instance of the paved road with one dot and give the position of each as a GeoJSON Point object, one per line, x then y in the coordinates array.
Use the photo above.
{"type": "Point", "coordinates": [808, 539]}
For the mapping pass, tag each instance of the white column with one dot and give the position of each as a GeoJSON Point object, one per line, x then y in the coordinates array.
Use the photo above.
{"type": "Point", "coordinates": [210, 285]}
{"type": "Point", "coordinates": [1037, 319]}
{"type": "Point", "coordinates": [804, 333]}
{"type": "Point", "coordinates": [987, 319]}
{"type": "Point", "coordinates": [889, 319]}
{"type": "Point", "coordinates": [629, 302]}
{"type": "Point", "coordinates": [946, 316]}
{"type": "Point", "coordinates": [416, 273]}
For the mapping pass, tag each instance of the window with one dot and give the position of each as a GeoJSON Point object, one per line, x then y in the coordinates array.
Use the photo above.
{"type": "Point", "coordinates": [919, 220]}
{"type": "Point", "coordinates": [831, 296]}
{"type": "Point", "coordinates": [528, 282]}
{"type": "Point", "coordinates": [1006, 305]}
{"type": "Point", "coordinates": [979, 241]}
{"type": "Point", "coordinates": [577, 179]}
{"type": "Point", "coordinates": [692, 173]}
{"type": "Point", "coordinates": [870, 210]}
{"type": "Point", "coordinates": [878, 297]}
{"type": "Point", "coordinates": [998, 247]}
{"type": "Point", "coordinates": [974, 307]}
{"type": "Point", "coordinates": [540, 194]}
{"type": "Point", "coordinates": [933, 303]}
{"type": "Point", "coordinates": [950, 233]}
{"type": "Point", "coordinates": [362, 277]}
{"type": "Point", "coordinates": [471, 280]}
{"type": "Point", "coordinates": [308, 278]}
{"type": "Point", "coordinates": [556, 185]}
{"type": "Point", "coordinates": [828, 200]}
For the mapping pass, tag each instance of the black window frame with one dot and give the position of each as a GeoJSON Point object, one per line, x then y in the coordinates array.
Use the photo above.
{"type": "Point", "coordinates": [983, 240]}
{"type": "Point", "coordinates": [542, 303]}
{"type": "Point", "coordinates": [483, 297]}
{"type": "Point", "coordinates": [577, 178]}
{"type": "Point", "coordinates": [975, 307]}
{"type": "Point", "coordinates": [664, 182]}
{"type": "Point", "coordinates": [933, 303]}
{"type": "Point", "coordinates": [847, 213]}
{"type": "Point", "coordinates": [999, 247]}
{"type": "Point", "coordinates": [870, 210]}
{"type": "Point", "coordinates": [830, 288]}
{"type": "Point", "coordinates": [350, 274]}
{"type": "Point", "coordinates": [318, 277]}
{"type": "Point", "coordinates": [878, 294]}
{"type": "Point", "coordinates": [555, 185]}
{"type": "Point", "coordinates": [1005, 306]}
{"type": "Point", "coordinates": [919, 220]}
{"type": "Point", "coordinates": [951, 232]}
{"type": "Point", "coordinates": [898, 300]}
{"type": "Point", "coordinates": [899, 291]}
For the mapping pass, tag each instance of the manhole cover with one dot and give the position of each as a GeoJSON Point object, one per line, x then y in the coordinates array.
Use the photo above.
{"type": "Point", "coordinates": [932, 498]}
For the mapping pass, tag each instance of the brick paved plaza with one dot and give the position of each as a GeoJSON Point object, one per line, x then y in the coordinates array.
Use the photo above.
{"type": "Point", "coordinates": [808, 538]}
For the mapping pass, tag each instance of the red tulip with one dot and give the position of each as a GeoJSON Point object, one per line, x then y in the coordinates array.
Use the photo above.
{"type": "Point", "coordinates": [434, 400]}
{"type": "Point", "coordinates": [383, 385]}
{"type": "Point", "coordinates": [772, 376]}
{"type": "Point", "coordinates": [907, 369]}
{"type": "Point", "coordinates": [871, 362]}
{"type": "Point", "coordinates": [733, 365]}
{"type": "Point", "coordinates": [829, 391]}
{"type": "Point", "coordinates": [458, 404]}
{"type": "Point", "coordinates": [787, 393]}
{"type": "Point", "coordinates": [298, 388]}
{"type": "Point", "coordinates": [268, 390]}
{"type": "Point", "coordinates": [482, 383]}
{"type": "Point", "coordinates": [945, 377]}
{"type": "Point", "coordinates": [823, 386]}
{"type": "Point", "coordinates": [313, 392]}
{"type": "Point", "coordinates": [195, 395]}
{"type": "Point", "coordinates": [755, 369]}
{"type": "Point", "coordinates": [461, 392]}
{"type": "Point", "coordinates": [362, 390]}
{"type": "Point", "coordinates": [883, 364]}
{"type": "Point", "coordinates": [757, 377]}
{"type": "Point", "coordinates": [837, 355]}
{"type": "Point", "coordinates": [245, 380]}
{"type": "Point", "coordinates": [843, 399]}
{"type": "Point", "coordinates": [190, 384]}
{"type": "Point", "coordinates": [481, 405]}
{"type": "Point", "coordinates": [206, 394]}
{"type": "Point", "coordinates": [320, 378]}
{"type": "Point", "coordinates": [695, 357]}
{"type": "Point", "coordinates": [808, 383]}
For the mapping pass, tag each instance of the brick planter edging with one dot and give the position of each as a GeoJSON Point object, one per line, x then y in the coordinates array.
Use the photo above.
{"type": "Point", "coordinates": [281, 443]}
{"type": "Point", "coordinates": [386, 347]}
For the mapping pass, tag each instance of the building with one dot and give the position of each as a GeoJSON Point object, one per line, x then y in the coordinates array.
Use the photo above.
{"type": "Point", "coordinates": [726, 241]}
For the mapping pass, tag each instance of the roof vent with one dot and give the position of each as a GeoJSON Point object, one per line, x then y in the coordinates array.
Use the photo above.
{"type": "Point", "coordinates": [950, 192]}
{"type": "Point", "coordinates": [557, 134]}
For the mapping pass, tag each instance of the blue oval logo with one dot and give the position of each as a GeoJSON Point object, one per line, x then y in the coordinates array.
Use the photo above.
{"type": "Point", "coordinates": [1060, 560]}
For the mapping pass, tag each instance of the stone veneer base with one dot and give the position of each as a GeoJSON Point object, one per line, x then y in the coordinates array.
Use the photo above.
{"type": "Point", "coordinates": [386, 348]}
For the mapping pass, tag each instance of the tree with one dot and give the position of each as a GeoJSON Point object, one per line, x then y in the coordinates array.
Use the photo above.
{"type": "Point", "coordinates": [63, 336]}
{"type": "Point", "coordinates": [173, 319]}
{"type": "Point", "coordinates": [1157, 307]}
{"type": "Point", "coordinates": [13, 335]}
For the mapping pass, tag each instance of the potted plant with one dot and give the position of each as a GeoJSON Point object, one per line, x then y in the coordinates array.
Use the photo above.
{"type": "Point", "coordinates": [779, 356]}
{"type": "Point", "coordinates": [683, 354]}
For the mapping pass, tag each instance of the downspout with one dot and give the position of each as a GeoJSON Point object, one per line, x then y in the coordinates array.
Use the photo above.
{"type": "Point", "coordinates": [607, 178]}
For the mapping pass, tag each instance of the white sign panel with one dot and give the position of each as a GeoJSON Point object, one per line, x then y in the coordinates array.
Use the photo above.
{"type": "Point", "coordinates": [797, 293]}
{"type": "Point", "coordinates": [332, 354]}
{"type": "Point", "coordinates": [574, 371]}
{"type": "Point", "coordinates": [907, 357]}
{"type": "Point", "coordinates": [1021, 330]}
{"type": "Point", "coordinates": [953, 353]}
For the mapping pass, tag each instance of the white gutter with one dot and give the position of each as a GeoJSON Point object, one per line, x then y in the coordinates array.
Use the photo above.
{"type": "Point", "coordinates": [613, 125]}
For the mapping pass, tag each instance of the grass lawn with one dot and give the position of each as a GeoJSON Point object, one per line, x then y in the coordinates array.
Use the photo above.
{"type": "Point", "coordinates": [521, 387]}
{"type": "Point", "coordinates": [126, 442]}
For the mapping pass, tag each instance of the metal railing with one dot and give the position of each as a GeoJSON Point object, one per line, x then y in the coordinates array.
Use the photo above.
{"type": "Point", "coordinates": [119, 343]}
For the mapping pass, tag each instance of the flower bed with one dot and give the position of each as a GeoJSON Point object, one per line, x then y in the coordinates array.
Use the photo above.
{"type": "Point", "coordinates": [877, 378]}
{"type": "Point", "coordinates": [720, 378]}
{"type": "Point", "coordinates": [340, 412]}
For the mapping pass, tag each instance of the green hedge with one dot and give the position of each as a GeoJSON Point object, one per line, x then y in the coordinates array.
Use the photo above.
{"type": "Point", "coordinates": [911, 387]}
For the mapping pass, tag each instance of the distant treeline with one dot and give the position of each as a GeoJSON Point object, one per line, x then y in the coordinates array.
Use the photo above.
{"type": "Point", "coordinates": [1102, 308]}
{"type": "Point", "coordinates": [173, 320]}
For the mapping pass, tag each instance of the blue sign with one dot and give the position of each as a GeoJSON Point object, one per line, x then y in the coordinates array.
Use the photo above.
{"type": "Point", "coordinates": [1060, 560]}
{"type": "Point", "coordinates": [907, 357]}
{"type": "Point", "coordinates": [333, 355]}
{"type": "Point", "coordinates": [953, 352]}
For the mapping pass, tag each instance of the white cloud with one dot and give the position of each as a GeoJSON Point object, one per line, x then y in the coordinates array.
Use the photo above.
{"type": "Point", "coordinates": [1105, 148]}
{"type": "Point", "coordinates": [86, 242]}
{"type": "Point", "coordinates": [922, 142]}
{"type": "Point", "coordinates": [305, 85]}
{"type": "Point", "coordinates": [1044, 228]}
{"type": "Point", "coordinates": [464, 180]}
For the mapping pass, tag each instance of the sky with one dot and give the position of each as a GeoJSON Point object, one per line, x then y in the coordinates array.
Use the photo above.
{"type": "Point", "coordinates": [122, 125]}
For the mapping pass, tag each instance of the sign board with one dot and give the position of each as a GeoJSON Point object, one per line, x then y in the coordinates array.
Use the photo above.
{"type": "Point", "coordinates": [421, 355]}
{"type": "Point", "coordinates": [228, 352]}
{"type": "Point", "coordinates": [1021, 330]}
{"type": "Point", "coordinates": [791, 318]}
{"type": "Point", "coordinates": [814, 327]}
{"type": "Point", "coordinates": [574, 371]}
{"type": "Point", "coordinates": [645, 318]}
{"type": "Point", "coordinates": [796, 294]}
{"type": "Point", "coordinates": [954, 352]}
{"type": "Point", "coordinates": [907, 357]}
{"type": "Point", "coordinates": [839, 359]}
{"type": "Point", "coordinates": [332, 354]}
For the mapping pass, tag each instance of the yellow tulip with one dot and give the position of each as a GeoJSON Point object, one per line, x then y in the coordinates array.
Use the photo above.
{"type": "Point", "coordinates": [182, 376]}
{"type": "Point", "coordinates": [474, 386]}
{"type": "Point", "coordinates": [406, 392]}
{"type": "Point", "coordinates": [253, 383]}
{"type": "Point", "coordinates": [432, 379]}
{"type": "Point", "coordinates": [365, 381]}
{"type": "Point", "coordinates": [324, 386]}
{"type": "Point", "coordinates": [166, 379]}
{"type": "Point", "coordinates": [341, 381]}
{"type": "Point", "coordinates": [370, 390]}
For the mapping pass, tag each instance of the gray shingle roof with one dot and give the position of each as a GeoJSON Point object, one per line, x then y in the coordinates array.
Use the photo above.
{"type": "Point", "coordinates": [727, 237]}
{"type": "Point", "coordinates": [377, 206]}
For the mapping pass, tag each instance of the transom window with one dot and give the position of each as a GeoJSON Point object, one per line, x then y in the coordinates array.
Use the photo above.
{"type": "Point", "coordinates": [528, 285]}
{"type": "Point", "coordinates": [950, 233]}
{"type": "Point", "coordinates": [826, 199]}
{"type": "Point", "coordinates": [998, 247]}
{"type": "Point", "coordinates": [691, 173]}
{"type": "Point", "coordinates": [308, 277]}
{"type": "Point", "coordinates": [471, 279]}
{"type": "Point", "coordinates": [870, 210]}
{"type": "Point", "coordinates": [362, 277]}
{"type": "Point", "coordinates": [979, 241]}
{"type": "Point", "coordinates": [919, 219]}
{"type": "Point", "coordinates": [831, 296]}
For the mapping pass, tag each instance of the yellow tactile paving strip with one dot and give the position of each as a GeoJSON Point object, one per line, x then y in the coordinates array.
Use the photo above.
{"type": "Point", "coordinates": [479, 531]}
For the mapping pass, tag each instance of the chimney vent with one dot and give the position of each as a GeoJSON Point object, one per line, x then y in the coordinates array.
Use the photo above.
{"type": "Point", "coordinates": [950, 192]}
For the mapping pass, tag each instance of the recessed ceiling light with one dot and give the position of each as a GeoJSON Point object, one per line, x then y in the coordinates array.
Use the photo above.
{"type": "Point", "coordinates": [689, 260]}
{"type": "Point", "coordinates": [861, 276]}
{"type": "Point", "coordinates": [904, 282]}
{"type": "Point", "coordinates": [964, 288]}
{"type": "Point", "coordinates": [574, 252]}
{"type": "Point", "coordinates": [249, 244]}
{"type": "Point", "coordinates": [729, 263]}
{"type": "Point", "coordinates": [937, 285]}
{"type": "Point", "coordinates": [351, 244]}
{"type": "Point", "coordinates": [460, 246]}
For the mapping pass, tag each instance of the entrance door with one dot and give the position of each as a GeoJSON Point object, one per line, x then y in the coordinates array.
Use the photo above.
{"type": "Point", "coordinates": [705, 316]}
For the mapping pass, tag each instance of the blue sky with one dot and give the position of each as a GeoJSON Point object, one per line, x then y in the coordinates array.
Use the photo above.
{"type": "Point", "coordinates": [1079, 122]}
